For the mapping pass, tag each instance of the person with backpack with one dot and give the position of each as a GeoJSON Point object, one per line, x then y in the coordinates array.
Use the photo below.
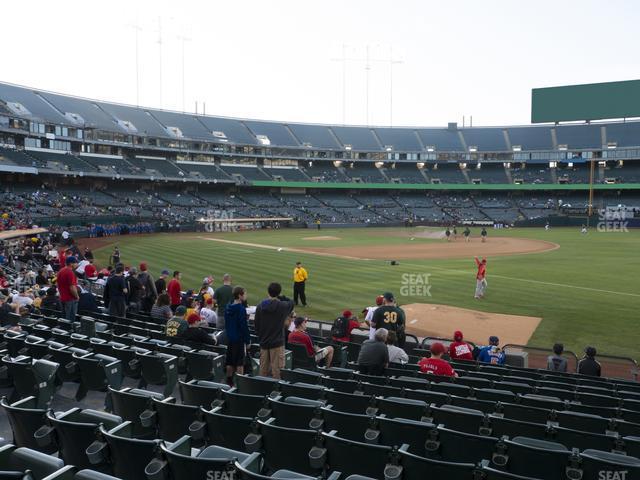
{"type": "Point", "coordinates": [150, 294]}
{"type": "Point", "coordinates": [344, 325]}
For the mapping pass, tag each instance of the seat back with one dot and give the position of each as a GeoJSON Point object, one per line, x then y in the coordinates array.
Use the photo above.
{"type": "Point", "coordinates": [300, 356]}
{"type": "Point", "coordinates": [255, 385]}
{"type": "Point", "coordinates": [396, 407]}
{"type": "Point", "coordinates": [240, 405]}
{"type": "Point", "coordinates": [128, 456]}
{"type": "Point", "coordinates": [536, 458]}
{"type": "Point", "coordinates": [200, 393]}
{"type": "Point", "coordinates": [295, 456]}
{"type": "Point", "coordinates": [351, 426]}
{"type": "Point", "coordinates": [130, 403]}
{"type": "Point", "coordinates": [173, 420]}
{"type": "Point", "coordinates": [226, 430]}
{"type": "Point", "coordinates": [399, 431]}
{"type": "Point", "coordinates": [25, 418]}
{"type": "Point", "coordinates": [594, 461]}
{"type": "Point", "coordinates": [204, 365]}
{"type": "Point", "coordinates": [419, 468]}
{"type": "Point", "coordinates": [460, 419]}
{"type": "Point", "coordinates": [342, 452]}
{"type": "Point", "coordinates": [40, 464]}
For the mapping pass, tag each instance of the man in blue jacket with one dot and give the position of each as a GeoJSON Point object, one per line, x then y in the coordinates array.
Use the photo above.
{"type": "Point", "coordinates": [237, 333]}
{"type": "Point", "coordinates": [492, 353]}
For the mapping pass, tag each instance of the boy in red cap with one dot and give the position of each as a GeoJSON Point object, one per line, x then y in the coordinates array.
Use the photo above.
{"type": "Point", "coordinates": [435, 365]}
{"type": "Point", "coordinates": [459, 350]}
{"type": "Point", "coordinates": [344, 325]}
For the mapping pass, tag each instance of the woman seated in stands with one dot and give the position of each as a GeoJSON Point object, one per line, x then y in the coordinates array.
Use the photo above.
{"type": "Point", "coordinates": [161, 310]}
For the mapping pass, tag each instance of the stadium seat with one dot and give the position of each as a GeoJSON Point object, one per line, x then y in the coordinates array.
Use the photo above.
{"type": "Point", "coordinates": [396, 407]}
{"type": "Point", "coordinates": [379, 390]}
{"type": "Point", "coordinates": [247, 385]}
{"type": "Point", "coordinates": [64, 356]}
{"type": "Point", "coordinates": [351, 426]}
{"type": "Point", "coordinates": [97, 373]}
{"type": "Point", "coordinates": [349, 402]}
{"type": "Point", "coordinates": [524, 413]}
{"type": "Point", "coordinates": [72, 432]}
{"type": "Point", "coordinates": [129, 403]}
{"type": "Point", "coordinates": [415, 467]}
{"type": "Point", "coordinates": [172, 420]}
{"type": "Point", "coordinates": [513, 428]}
{"type": "Point", "coordinates": [200, 393]}
{"type": "Point", "coordinates": [346, 386]}
{"type": "Point", "coordinates": [428, 396]}
{"type": "Point", "coordinates": [293, 412]}
{"type": "Point", "coordinates": [338, 453]}
{"type": "Point", "coordinates": [461, 419]}
{"type": "Point", "coordinates": [395, 432]}
{"type": "Point", "coordinates": [594, 462]}
{"type": "Point", "coordinates": [128, 355]}
{"type": "Point", "coordinates": [583, 422]}
{"type": "Point", "coordinates": [269, 438]}
{"type": "Point", "coordinates": [26, 418]}
{"type": "Point", "coordinates": [337, 372]}
{"type": "Point", "coordinates": [494, 395]}
{"type": "Point", "coordinates": [300, 356]}
{"type": "Point", "coordinates": [126, 455]}
{"type": "Point", "coordinates": [178, 462]}
{"type": "Point", "coordinates": [583, 440]}
{"type": "Point", "coordinates": [305, 390]}
{"type": "Point", "coordinates": [240, 405]}
{"type": "Point", "coordinates": [371, 379]}
{"type": "Point", "coordinates": [217, 427]}
{"type": "Point", "coordinates": [485, 406]}
{"type": "Point", "coordinates": [453, 446]}
{"type": "Point", "coordinates": [158, 369]}
{"type": "Point", "coordinates": [534, 457]}
{"type": "Point", "coordinates": [300, 375]}
{"type": "Point", "coordinates": [32, 378]}
{"type": "Point", "coordinates": [451, 389]}
{"type": "Point", "coordinates": [17, 460]}
{"type": "Point", "coordinates": [204, 365]}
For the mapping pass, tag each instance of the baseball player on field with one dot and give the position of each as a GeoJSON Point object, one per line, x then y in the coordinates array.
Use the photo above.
{"type": "Point", "coordinates": [481, 278]}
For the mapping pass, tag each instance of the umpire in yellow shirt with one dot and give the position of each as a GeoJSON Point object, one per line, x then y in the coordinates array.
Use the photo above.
{"type": "Point", "coordinates": [300, 276]}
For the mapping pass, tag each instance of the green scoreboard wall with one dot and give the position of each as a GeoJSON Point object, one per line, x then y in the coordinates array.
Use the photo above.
{"type": "Point", "coordinates": [592, 101]}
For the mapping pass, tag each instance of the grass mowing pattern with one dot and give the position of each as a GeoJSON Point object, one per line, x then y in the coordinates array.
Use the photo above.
{"type": "Point", "coordinates": [602, 311]}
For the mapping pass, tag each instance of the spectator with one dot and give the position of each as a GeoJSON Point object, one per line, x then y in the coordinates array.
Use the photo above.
{"type": "Point", "coordinates": [344, 325]}
{"type": "Point", "coordinates": [436, 365]}
{"type": "Point", "coordinates": [51, 300]}
{"type": "Point", "coordinates": [374, 354]}
{"type": "Point", "coordinates": [458, 349]}
{"type": "Point", "coordinates": [161, 311]}
{"type": "Point", "coordinates": [208, 314]}
{"type": "Point", "coordinates": [588, 365]}
{"type": "Point", "coordinates": [115, 293]}
{"type": "Point", "coordinates": [68, 287]}
{"type": "Point", "coordinates": [300, 335]}
{"type": "Point", "coordinates": [87, 301]}
{"type": "Point", "coordinates": [149, 293]}
{"type": "Point", "coordinates": [195, 333]}
{"type": "Point", "coordinates": [90, 270]}
{"type": "Point", "coordinates": [396, 354]}
{"type": "Point", "coordinates": [223, 295]}
{"type": "Point", "coordinates": [41, 279]}
{"type": "Point", "coordinates": [391, 317]}
{"type": "Point", "coordinates": [161, 282]}
{"type": "Point", "coordinates": [24, 298]}
{"type": "Point", "coordinates": [492, 353]}
{"type": "Point", "coordinates": [134, 291]}
{"type": "Point", "coordinates": [177, 325]}
{"type": "Point", "coordinates": [237, 333]}
{"type": "Point", "coordinates": [556, 362]}
{"type": "Point", "coordinates": [369, 316]}
{"type": "Point", "coordinates": [270, 316]}
{"type": "Point", "coordinates": [174, 289]}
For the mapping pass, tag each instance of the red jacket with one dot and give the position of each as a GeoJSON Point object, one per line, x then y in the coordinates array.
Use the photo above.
{"type": "Point", "coordinates": [482, 269]}
{"type": "Point", "coordinates": [460, 351]}
{"type": "Point", "coordinates": [436, 366]}
{"type": "Point", "coordinates": [174, 290]}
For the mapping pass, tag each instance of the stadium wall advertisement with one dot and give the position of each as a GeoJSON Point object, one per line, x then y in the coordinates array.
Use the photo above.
{"type": "Point", "coordinates": [594, 101]}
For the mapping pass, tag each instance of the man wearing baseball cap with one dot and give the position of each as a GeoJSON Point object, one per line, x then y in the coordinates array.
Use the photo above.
{"type": "Point", "coordinates": [161, 282]}
{"type": "Point", "coordinates": [459, 349]}
{"type": "Point", "coordinates": [436, 365]}
{"type": "Point", "coordinates": [391, 317]}
{"type": "Point", "coordinates": [492, 353]}
{"type": "Point", "coordinates": [177, 325]}
{"type": "Point", "coordinates": [369, 315]}
{"type": "Point", "coordinates": [67, 284]}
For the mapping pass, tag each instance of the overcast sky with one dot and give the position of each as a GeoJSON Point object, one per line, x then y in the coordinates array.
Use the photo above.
{"type": "Point", "coordinates": [282, 59]}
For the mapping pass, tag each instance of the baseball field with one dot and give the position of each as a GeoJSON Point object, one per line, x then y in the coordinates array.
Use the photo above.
{"type": "Point", "coordinates": [543, 286]}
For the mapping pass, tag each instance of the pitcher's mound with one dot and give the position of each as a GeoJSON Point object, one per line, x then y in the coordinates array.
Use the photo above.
{"type": "Point", "coordinates": [431, 320]}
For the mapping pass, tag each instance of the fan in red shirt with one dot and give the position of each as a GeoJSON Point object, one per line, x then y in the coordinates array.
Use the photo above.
{"type": "Point", "coordinates": [299, 335]}
{"type": "Point", "coordinates": [90, 270]}
{"type": "Point", "coordinates": [67, 284]}
{"type": "Point", "coordinates": [436, 365]}
{"type": "Point", "coordinates": [459, 350]}
{"type": "Point", "coordinates": [174, 289]}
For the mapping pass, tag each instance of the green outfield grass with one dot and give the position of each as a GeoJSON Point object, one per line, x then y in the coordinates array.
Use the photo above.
{"type": "Point", "coordinates": [586, 291]}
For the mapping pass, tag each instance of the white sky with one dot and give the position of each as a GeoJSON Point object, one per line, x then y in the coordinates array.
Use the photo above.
{"type": "Point", "coordinates": [276, 59]}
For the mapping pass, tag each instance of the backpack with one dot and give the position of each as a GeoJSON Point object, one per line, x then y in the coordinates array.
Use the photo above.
{"type": "Point", "coordinates": [340, 327]}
